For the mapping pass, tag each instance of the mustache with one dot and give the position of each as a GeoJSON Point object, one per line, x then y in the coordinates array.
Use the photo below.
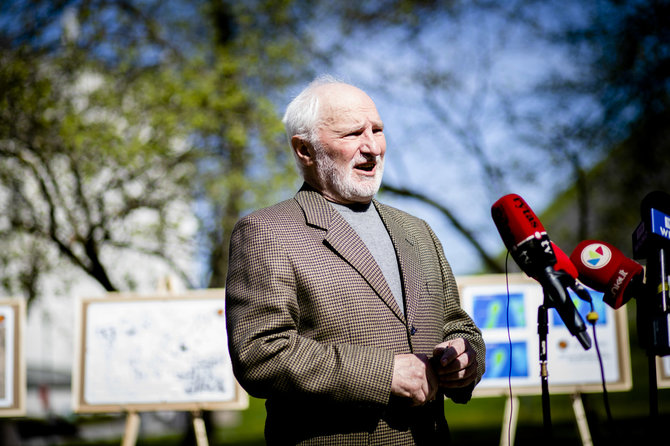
{"type": "Point", "coordinates": [377, 159]}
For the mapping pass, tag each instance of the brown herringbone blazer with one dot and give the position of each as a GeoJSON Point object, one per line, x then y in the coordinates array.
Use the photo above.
{"type": "Point", "coordinates": [313, 326]}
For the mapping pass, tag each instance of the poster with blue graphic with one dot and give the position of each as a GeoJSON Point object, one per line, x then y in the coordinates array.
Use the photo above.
{"type": "Point", "coordinates": [506, 310]}
{"type": "Point", "coordinates": [507, 359]}
{"type": "Point", "coordinates": [491, 310]}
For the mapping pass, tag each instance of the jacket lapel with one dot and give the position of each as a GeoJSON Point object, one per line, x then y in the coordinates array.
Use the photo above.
{"type": "Point", "coordinates": [342, 239]}
{"type": "Point", "coordinates": [408, 260]}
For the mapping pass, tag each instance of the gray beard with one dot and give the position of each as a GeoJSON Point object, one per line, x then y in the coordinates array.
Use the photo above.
{"type": "Point", "coordinates": [350, 188]}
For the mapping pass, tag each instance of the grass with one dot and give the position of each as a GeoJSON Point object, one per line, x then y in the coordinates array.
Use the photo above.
{"type": "Point", "coordinates": [479, 422]}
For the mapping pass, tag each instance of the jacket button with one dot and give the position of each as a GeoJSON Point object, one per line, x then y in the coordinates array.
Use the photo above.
{"type": "Point", "coordinates": [412, 330]}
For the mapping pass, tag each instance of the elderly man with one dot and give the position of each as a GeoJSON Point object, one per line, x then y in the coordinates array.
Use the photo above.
{"type": "Point", "coordinates": [343, 312]}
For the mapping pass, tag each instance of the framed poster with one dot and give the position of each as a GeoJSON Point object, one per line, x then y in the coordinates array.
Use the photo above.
{"type": "Point", "coordinates": [12, 359]}
{"type": "Point", "coordinates": [162, 352]}
{"type": "Point", "coordinates": [506, 310]}
{"type": "Point", "coordinates": [663, 372]}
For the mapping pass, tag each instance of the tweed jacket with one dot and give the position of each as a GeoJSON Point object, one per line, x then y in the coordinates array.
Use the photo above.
{"type": "Point", "coordinates": [313, 326]}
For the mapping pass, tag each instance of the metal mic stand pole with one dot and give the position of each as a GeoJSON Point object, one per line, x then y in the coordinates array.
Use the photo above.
{"type": "Point", "coordinates": [542, 330]}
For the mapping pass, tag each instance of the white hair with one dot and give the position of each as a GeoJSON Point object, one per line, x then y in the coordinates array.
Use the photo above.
{"type": "Point", "coordinates": [303, 114]}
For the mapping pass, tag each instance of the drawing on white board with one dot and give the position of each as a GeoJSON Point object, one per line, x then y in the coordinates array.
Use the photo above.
{"type": "Point", "coordinates": [156, 351]}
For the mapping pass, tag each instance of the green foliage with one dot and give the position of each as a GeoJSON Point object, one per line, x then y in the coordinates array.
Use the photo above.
{"type": "Point", "coordinates": [191, 91]}
{"type": "Point", "coordinates": [83, 169]}
{"type": "Point", "coordinates": [110, 132]}
{"type": "Point", "coordinates": [628, 78]}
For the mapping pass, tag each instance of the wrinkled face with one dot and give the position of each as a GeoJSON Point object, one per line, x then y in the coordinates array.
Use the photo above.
{"type": "Point", "coordinates": [349, 158]}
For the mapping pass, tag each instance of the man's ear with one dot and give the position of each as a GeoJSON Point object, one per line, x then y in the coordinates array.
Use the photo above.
{"type": "Point", "coordinates": [303, 149]}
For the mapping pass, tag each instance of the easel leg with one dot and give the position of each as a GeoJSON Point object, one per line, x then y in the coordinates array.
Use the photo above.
{"type": "Point", "coordinates": [509, 421]}
{"type": "Point", "coordinates": [582, 423]}
{"type": "Point", "coordinates": [200, 430]}
{"type": "Point", "coordinates": [132, 429]}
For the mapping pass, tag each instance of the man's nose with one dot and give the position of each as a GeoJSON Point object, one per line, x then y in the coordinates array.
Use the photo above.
{"type": "Point", "coordinates": [369, 143]}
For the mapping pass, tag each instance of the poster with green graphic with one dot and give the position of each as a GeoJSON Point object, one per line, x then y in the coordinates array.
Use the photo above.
{"type": "Point", "coordinates": [505, 308]}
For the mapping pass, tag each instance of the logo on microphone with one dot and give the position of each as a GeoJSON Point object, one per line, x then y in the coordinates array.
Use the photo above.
{"type": "Point", "coordinates": [596, 256]}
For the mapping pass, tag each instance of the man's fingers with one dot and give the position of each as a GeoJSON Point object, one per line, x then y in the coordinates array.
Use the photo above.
{"type": "Point", "coordinates": [450, 350]}
{"type": "Point", "coordinates": [457, 373]}
{"type": "Point", "coordinates": [458, 378]}
{"type": "Point", "coordinates": [414, 378]}
{"type": "Point", "coordinates": [457, 363]}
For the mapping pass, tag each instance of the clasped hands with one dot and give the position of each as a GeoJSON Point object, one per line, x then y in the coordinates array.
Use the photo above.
{"type": "Point", "coordinates": [418, 377]}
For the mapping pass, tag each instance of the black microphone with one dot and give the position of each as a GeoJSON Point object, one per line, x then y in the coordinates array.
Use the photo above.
{"type": "Point", "coordinates": [651, 241]}
{"type": "Point", "coordinates": [530, 247]}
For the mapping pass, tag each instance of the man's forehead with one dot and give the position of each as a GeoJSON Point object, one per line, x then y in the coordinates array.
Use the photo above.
{"type": "Point", "coordinates": [342, 103]}
{"type": "Point", "coordinates": [347, 122]}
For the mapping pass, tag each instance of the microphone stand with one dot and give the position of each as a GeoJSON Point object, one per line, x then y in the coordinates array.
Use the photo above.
{"type": "Point", "coordinates": [542, 330]}
{"type": "Point", "coordinates": [555, 286]}
{"type": "Point", "coordinates": [651, 241]}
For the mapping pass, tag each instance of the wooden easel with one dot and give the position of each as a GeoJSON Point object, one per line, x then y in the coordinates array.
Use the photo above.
{"type": "Point", "coordinates": [133, 420]}
{"type": "Point", "coordinates": [511, 416]}
{"type": "Point", "coordinates": [133, 428]}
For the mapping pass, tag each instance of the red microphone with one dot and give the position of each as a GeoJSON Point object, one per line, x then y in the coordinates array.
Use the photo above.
{"type": "Point", "coordinates": [525, 237]}
{"type": "Point", "coordinates": [523, 234]}
{"type": "Point", "coordinates": [604, 268]}
{"type": "Point", "coordinates": [530, 247]}
{"type": "Point", "coordinates": [563, 262]}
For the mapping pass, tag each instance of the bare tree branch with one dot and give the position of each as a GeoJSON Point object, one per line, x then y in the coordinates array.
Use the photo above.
{"type": "Point", "coordinates": [455, 222]}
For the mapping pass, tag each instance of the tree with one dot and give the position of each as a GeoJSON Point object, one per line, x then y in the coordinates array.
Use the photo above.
{"type": "Point", "coordinates": [628, 79]}
{"type": "Point", "coordinates": [85, 175]}
{"type": "Point", "coordinates": [210, 74]}
{"type": "Point", "coordinates": [112, 130]}
{"type": "Point", "coordinates": [529, 96]}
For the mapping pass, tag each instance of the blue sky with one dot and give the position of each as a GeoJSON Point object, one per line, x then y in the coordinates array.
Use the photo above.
{"type": "Point", "coordinates": [490, 64]}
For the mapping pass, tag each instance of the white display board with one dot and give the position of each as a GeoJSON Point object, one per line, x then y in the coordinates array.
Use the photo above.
{"type": "Point", "coordinates": [157, 352]}
{"type": "Point", "coordinates": [12, 359]}
{"type": "Point", "coordinates": [506, 310]}
{"type": "Point", "coordinates": [663, 372]}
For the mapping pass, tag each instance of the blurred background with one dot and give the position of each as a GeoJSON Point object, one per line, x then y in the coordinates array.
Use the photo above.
{"type": "Point", "coordinates": [134, 134]}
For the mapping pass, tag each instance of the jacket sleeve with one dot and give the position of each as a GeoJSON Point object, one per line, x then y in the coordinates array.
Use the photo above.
{"type": "Point", "coordinates": [269, 356]}
{"type": "Point", "coordinates": [458, 324]}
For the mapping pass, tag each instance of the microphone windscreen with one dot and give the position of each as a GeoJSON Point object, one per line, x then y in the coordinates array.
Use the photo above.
{"type": "Point", "coordinates": [563, 262]}
{"type": "Point", "coordinates": [515, 220]}
{"type": "Point", "coordinates": [604, 268]}
{"type": "Point", "coordinates": [658, 200]}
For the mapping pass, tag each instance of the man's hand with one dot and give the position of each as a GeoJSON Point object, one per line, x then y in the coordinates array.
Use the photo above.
{"type": "Point", "coordinates": [455, 363]}
{"type": "Point", "coordinates": [414, 378]}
